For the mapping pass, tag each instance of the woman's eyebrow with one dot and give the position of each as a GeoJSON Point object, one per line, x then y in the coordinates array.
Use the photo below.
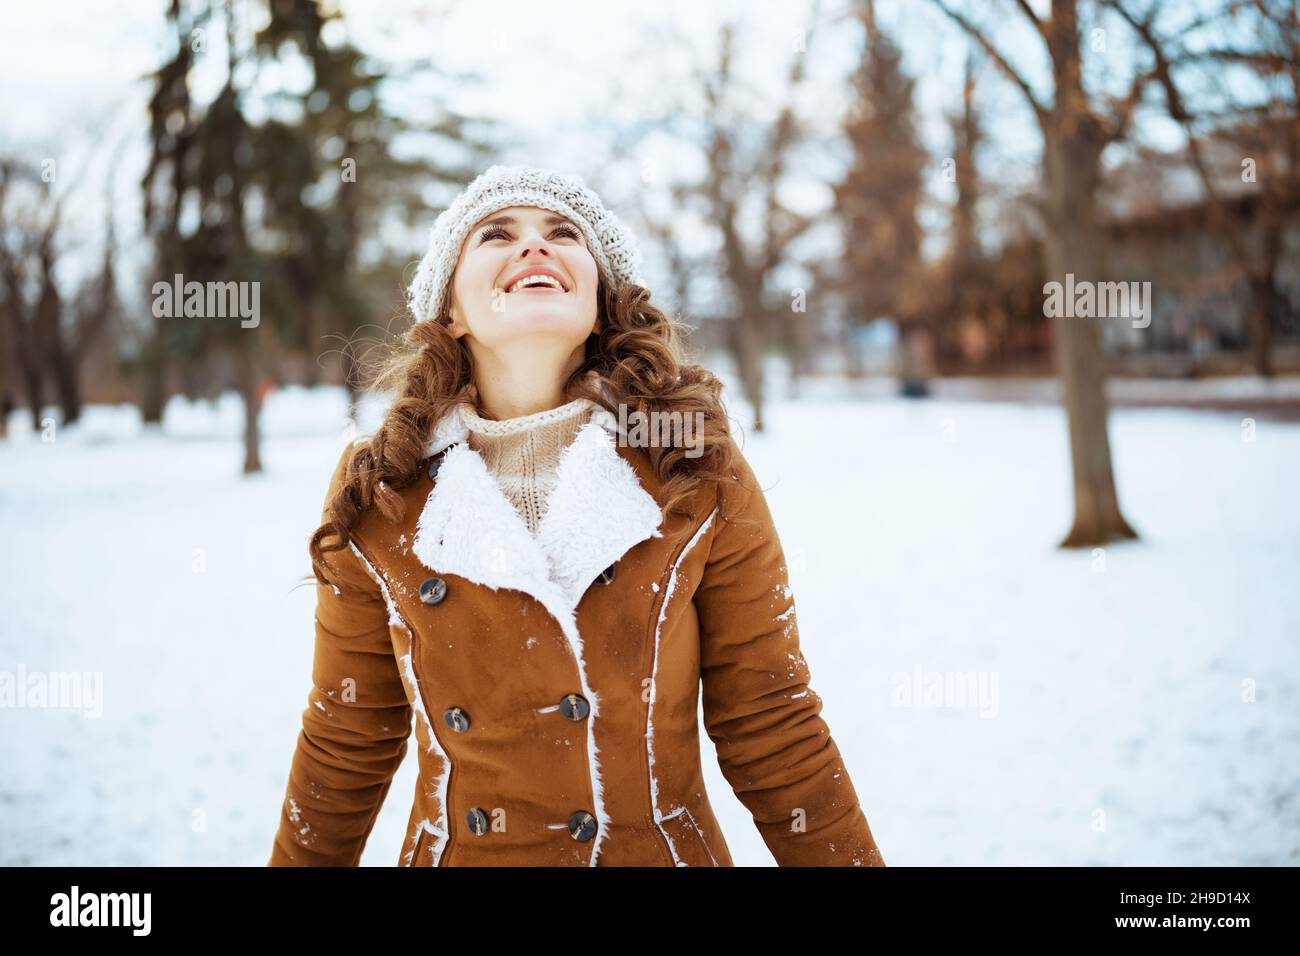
{"type": "Point", "coordinates": [510, 221]}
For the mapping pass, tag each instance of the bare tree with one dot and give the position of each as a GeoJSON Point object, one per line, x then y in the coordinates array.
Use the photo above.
{"type": "Point", "coordinates": [964, 253]}
{"type": "Point", "coordinates": [17, 248]}
{"type": "Point", "coordinates": [48, 318]}
{"type": "Point", "coordinates": [682, 267]}
{"type": "Point", "coordinates": [1265, 139]}
{"type": "Point", "coordinates": [98, 307]}
{"type": "Point", "coordinates": [748, 266]}
{"type": "Point", "coordinates": [50, 331]}
{"type": "Point", "coordinates": [1076, 128]}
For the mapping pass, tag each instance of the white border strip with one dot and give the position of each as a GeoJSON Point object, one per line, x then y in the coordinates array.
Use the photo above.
{"type": "Point", "coordinates": [654, 671]}
{"type": "Point", "coordinates": [440, 830]}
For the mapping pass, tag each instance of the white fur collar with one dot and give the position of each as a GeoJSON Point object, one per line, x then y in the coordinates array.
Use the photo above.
{"type": "Point", "coordinates": [596, 512]}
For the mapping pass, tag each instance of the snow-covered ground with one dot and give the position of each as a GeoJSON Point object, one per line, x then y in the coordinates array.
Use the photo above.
{"type": "Point", "coordinates": [1132, 707]}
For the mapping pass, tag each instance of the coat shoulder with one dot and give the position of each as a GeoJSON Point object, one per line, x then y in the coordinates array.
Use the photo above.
{"type": "Point", "coordinates": [733, 497]}
{"type": "Point", "coordinates": [338, 479]}
{"type": "Point", "coordinates": [371, 524]}
{"type": "Point", "coordinates": [339, 474]}
{"type": "Point", "coordinates": [741, 492]}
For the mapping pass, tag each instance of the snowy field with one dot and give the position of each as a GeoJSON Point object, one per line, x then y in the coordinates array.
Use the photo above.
{"type": "Point", "coordinates": [1133, 707]}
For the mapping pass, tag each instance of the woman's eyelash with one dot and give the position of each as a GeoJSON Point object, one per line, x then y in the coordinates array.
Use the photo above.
{"type": "Point", "coordinates": [491, 232]}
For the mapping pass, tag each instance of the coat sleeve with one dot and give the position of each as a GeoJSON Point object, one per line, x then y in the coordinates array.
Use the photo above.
{"type": "Point", "coordinates": [354, 729]}
{"type": "Point", "coordinates": [773, 745]}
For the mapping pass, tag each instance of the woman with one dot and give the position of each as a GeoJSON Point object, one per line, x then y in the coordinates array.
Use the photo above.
{"type": "Point", "coordinates": [544, 589]}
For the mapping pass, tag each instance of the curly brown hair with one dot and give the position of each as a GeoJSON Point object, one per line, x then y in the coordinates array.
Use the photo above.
{"type": "Point", "coordinates": [638, 355]}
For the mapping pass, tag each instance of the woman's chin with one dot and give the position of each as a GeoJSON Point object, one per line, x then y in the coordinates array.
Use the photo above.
{"type": "Point", "coordinates": [543, 321]}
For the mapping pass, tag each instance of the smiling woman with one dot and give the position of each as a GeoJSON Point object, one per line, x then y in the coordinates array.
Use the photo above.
{"type": "Point", "coordinates": [546, 598]}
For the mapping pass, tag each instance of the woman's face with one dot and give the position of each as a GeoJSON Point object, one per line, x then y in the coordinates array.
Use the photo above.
{"type": "Point", "coordinates": [556, 307]}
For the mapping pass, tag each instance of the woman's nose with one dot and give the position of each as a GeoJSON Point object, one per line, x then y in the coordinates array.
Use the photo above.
{"type": "Point", "coordinates": [535, 247]}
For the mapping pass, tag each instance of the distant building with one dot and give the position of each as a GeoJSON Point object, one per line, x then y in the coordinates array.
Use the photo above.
{"type": "Point", "coordinates": [1201, 299]}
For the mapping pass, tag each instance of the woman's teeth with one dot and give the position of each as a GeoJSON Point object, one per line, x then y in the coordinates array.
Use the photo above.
{"type": "Point", "coordinates": [535, 280]}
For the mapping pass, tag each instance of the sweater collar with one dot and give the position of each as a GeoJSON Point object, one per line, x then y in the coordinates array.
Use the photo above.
{"type": "Point", "coordinates": [490, 428]}
{"type": "Point", "coordinates": [454, 426]}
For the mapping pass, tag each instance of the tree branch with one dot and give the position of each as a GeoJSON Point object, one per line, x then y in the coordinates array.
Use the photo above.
{"type": "Point", "coordinates": [996, 56]}
{"type": "Point", "coordinates": [1178, 111]}
{"type": "Point", "coordinates": [1032, 17]}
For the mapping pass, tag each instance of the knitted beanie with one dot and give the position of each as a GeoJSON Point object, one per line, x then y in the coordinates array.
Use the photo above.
{"type": "Point", "coordinates": [610, 243]}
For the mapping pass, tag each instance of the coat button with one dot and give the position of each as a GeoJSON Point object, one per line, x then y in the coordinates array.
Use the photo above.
{"type": "Point", "coordinates": [456, 719]}
{"type": "Point", "coordinates": [436, 462]}
{"type": "Point", "coordinates": [575, 707]}
{"type": "Point", "coordinates": [607, 575]}
{"type": "Point", "coordinates": [477, 820]}
{"type": "Point", "coordinates": [582, 825]}
{"type": "Point", "coordinates": [433, 590]}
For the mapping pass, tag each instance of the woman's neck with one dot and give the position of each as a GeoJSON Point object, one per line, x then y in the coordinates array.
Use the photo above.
{"type": "Point", "coordinates": [514, 391]}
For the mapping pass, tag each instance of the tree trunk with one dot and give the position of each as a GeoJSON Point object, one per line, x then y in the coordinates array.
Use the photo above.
{"type": "Point", "coordinates": [29, 372]}
{"type": "Point", "coordinates": [795, 333]}
{"type": "Point", "coordinates": [311, 322]}
{"type": "Point", "coordinates": [849, 344]}
{"type": "Point", "coordinates": [52, 348]}
{"type": "Point", "coordinates": [1072, 157]}
{"type": "Point", "coordinates": [748, 352]}
{"type": "Point", "coordinates": [63, 366]}
{"type": "Point", "coordinates": [250, 390]}
{"type": "Point", "coordinates": [1263, 305]}
{"type": "Point", "coordinates": [153, 393]}
{"type": "Point", "coordinates": [34, 399]}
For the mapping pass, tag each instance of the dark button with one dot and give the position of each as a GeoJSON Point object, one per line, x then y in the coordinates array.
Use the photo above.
{"type": "Point", "coordinates": [433, 590]}
{"type": "Point", "coordinates": [582, 825]}
{"type": "Point", "coordinates": [456, 719]}
{"type": "Point", "coordinates": [477, 820]}
{"type": "Point", "coordinates": [607, 575]}
{"type": "Point", "coordinates": [575, 707]}
{"type": "Point", "coordinates": [436, 462]}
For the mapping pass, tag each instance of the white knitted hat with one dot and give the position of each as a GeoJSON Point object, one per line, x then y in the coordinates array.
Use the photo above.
{"type": "Point", "coordinates": [611, 245]}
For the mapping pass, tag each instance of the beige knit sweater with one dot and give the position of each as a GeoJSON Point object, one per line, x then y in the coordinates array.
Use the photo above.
{"type": "Point", "coordinates": [522, 453]}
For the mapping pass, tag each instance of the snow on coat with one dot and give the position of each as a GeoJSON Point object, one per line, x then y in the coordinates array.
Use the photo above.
{"type": "Point", "coordinates": [554, 679]}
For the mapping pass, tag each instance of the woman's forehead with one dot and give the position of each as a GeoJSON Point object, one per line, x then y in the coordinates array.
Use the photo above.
{"type": "Point", "coordinates": [518, 213]}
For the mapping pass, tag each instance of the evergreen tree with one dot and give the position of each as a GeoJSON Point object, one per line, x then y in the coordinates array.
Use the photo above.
{"type": "Point", "coordinates": [878, 197]}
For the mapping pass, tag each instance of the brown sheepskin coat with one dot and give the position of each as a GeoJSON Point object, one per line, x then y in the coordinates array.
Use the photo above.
{"type": "Point", "coordinates": [554, 679]}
